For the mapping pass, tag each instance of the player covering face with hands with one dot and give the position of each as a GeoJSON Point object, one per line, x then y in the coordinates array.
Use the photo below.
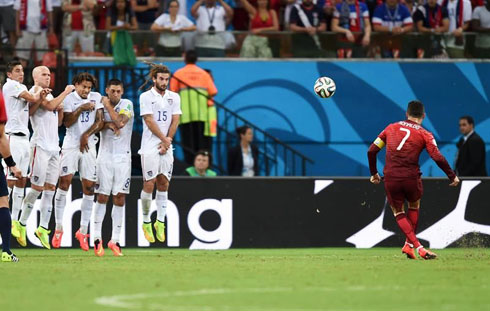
{"type": "Point", "coordinates": [404, 141]}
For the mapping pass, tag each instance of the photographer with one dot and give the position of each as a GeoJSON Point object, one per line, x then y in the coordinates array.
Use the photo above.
{"type": "Point", "coordinates": [211, 21]}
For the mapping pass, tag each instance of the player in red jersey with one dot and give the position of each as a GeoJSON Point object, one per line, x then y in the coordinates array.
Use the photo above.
{"type": "Point", "coordinates": [404, 142]}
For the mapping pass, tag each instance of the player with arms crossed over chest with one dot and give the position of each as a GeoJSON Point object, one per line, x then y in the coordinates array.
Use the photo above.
{"type": "Point", "coordinates": [160, 109]}
{"type": "Point", "coordinates": [113, 164]}
{"type": "Point", "coordinates": [46, 117]}
{"type": "Point", "coordinates": [17, 99]}
{"type": "Point", "coordinates": [5, 219]}
{"type": "Point", "coordinates": [83, 117]}
{"type": "Point", "coordinates": [404, 142]}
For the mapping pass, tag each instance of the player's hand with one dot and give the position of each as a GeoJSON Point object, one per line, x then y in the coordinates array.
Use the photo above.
{"type": "Point", "coordinates": [161, 149]}
{"type": "Point", "coordinates": [455, 182]}
{"type": "Point", "coordinates": [88, 106]}
{"type": "Point", "coordinates": [60, 107]}
{"type": "Point", "coordinates": [84, 143]}
{"type": "Point", "coordinates": [16, 172]}
{"type": "Point", "coordinates": [105, 101]}
{"type": "Point", "coordinates": [45, 93]}
{"type": "Point", "coordinates": [166, 142]}
{"type": "Point", "coordinates": [114, 128]}
{"type": "Point", "coordinates": [69, 88]}
{"type": "Point", "coordinates": [375, 179]}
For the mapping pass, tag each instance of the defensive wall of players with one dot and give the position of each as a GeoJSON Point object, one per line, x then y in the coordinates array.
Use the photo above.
{"type": "Point", "coordinates": [222, 213]}
{"type": "Point", "coordinates": [278, 97]}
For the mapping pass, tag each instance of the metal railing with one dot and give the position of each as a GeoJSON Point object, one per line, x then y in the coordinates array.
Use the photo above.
{"type": "Point", "coordinates": [276, 158]}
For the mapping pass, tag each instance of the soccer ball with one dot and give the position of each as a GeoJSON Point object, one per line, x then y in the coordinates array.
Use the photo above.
{"type": "Point", "coordinates": [325, 87]}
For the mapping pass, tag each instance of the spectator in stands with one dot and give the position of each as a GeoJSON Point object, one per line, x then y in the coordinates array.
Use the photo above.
{"type": "Point", "coordinates": [481, 24]}
{"type": "Point", "coordinates": [194, 86]}
{"type": "Point", "coordinates": [33, 18]}
{"type": "Point", "coordinates": [100, 15]}
{"type": "Point", "coordinates": [57, 19]}
{"type": "Point", "coordinates": [243, 160]}
{"type": "Point", "coordinates": [470, 160]}
{"type": "Point", "coordinates": [262, 20]}
{"type": "Point", "coordinates": [170, 26]}
{"type": "Point", "coordinates": [78, 24]}
{"type": "Point", "coordinates": [307, 20]}
{"type": "Point", "coordinates": [352, 16]}
{"type": "Point", "coordinates": [241, 17]}
{"type": "Point", "coordinates": [120, 16]}
{"type": "Point", "coordinates": [7, 20]}
{"type": "Point", "coordinates": [146, 12]}
{"type": "Point", "coordinates": [211, 21]}
{"type": "Point", "coordinates": [431, 18]}
{"type": "Point", "coordinates": [459, 21]}
{"type": "Point", "coordinates": [202, 163]}
{"type": "Point", "coordinates": [393, 19]}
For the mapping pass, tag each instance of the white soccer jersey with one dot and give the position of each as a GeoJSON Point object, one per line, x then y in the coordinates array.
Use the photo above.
{"type": "Point", "coordinates": [111, 144]}
{"type": "Point", "coordinates": [162, 108]}
{"type": "Point", "coordinates": [17, 108]}
{"type": "Point", "coordinates": [85, 120]}
{"type": "Point", "coordinates": [45, 126]}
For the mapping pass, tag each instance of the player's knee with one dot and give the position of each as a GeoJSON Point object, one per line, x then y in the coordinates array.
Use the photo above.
{"type": "Point", "coordinates": [119, 199]}
{"type": "Point", "coordinates": [149, 185]}
{"type": "Point", "coordinates": [65, 182]}
{"type": "Point", "coordinates": [102, 198]}
{"type": "Point", "coordinates": [397, 210]}
{"type": "Point", "coordinates": [49, 187]}
{"type": "Point", "coordinates": [88, 188]}
{"type": "Point", "coordinates": [414, 205]}
{"type": "Point", "coordinates": [38, 188]}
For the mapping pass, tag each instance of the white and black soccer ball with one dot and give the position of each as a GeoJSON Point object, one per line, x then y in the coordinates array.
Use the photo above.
{"type": "Point", "coordinates": [325, 87]}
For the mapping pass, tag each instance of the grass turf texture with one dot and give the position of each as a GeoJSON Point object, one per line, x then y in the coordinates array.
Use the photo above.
{"type": "Point", "coordinates": [249, 279]}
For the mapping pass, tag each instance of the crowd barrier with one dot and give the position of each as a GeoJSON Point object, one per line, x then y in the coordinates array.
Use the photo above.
{"type": "Point", "coordinates": [222, 213]}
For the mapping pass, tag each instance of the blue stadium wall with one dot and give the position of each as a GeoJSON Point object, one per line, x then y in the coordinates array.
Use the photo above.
{"type": "Point", "coordinates": [278, 97]}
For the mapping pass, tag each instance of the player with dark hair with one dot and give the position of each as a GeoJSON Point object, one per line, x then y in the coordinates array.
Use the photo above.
{"type": "Point", "coordinates": [160, 109]}
{"type": "Point", "coordinates": [5, 220]}
{"type": "Point", "coordinates": [404, 142]}
{"type": "Point", "coordinates": [83, 117]}
{"type": "Point", "coordinates": [113, 165]}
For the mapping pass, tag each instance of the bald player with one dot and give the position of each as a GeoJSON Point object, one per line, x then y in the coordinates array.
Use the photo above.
{"type": "Point", "coordinates": [46, 116]}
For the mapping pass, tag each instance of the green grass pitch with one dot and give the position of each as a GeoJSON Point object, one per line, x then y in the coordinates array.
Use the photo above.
{"type": "Point", "coordinates": [246, 280]}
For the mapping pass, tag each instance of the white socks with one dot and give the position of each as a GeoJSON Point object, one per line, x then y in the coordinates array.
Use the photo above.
{"type": "Point", "coordinates": [46, 208]}
{"type": "Point", "coordinates": [86, 207]}
{"type": "Point", "coordinates": [146, 204]}
{"type": "Point", "coordinates": [161, 201]}
{"type": "Point", "coordinates": [59, 207]}
{"type": "Point", "coordinates": [117, 217]}
{"type": "Point", "coordinates": [17, 198]}
{"type": "Point", "coordinates": [28, 205]}
{"type": "Point", "coordinates": [99, 213]}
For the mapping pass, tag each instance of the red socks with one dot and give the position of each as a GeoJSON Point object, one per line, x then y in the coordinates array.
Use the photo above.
{"type": "Point", "coordinates": [407, 229]}
{"type": "Point", "coordinates": [413, 216]}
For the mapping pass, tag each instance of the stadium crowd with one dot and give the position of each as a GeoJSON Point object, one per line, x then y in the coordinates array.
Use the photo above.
{"type": "Point", "coordinates": [214, 26]}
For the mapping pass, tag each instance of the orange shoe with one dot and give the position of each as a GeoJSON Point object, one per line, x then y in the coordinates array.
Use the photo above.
{"type": "Point", "coordinates": [115, 248]}
{"type": "Point", "coordinates": [56, 241]}
{"type": "Point", "coordinates": [409, 251]}
{"type": "Point", "coordinates": [83, 239]}
{"type": "Point", "coordinates": [426, 254]}
{"type": "Point", "coordinates": [98, 248]}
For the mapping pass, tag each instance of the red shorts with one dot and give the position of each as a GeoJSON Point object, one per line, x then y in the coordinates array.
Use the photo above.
{"type": "Point", "coordinates": [397, 191]}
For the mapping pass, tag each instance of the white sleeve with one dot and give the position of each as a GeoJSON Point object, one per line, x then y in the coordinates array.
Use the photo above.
{"type": "Point", "coordinates": [67, 106]}
{"type": "Point", "coordinates": [145, 106]}
{"type": "Point", "coordinates": [160, 21]}
{"type": "Point", "coordinates": [467, 11]}
{"type": "Point", "coordinates": [98, 101]}
{"type": "Point", "coordinates": [49, 6]}
{"type": "Point", "coordinates": [17, 89]}
{"type": "Point", "coordinates": [200, 11]}
{"type": "Point", "coordinates": [476, 13]}
{"type": "Point", "coordinates": [176, 108]}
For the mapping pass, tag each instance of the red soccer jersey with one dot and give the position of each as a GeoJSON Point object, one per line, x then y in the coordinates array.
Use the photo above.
{"type": "Point", "coordinates": [404, 142]}
{"type": "Point", "coordinates": [3, 111]}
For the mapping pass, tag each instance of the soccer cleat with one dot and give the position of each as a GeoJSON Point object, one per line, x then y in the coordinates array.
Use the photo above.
{"type": "Point", "coordinates": [409, 251]}
{"type": "Point", "coordinates": [6, 257]}
{"type": "Point", "coordinates": [148, 231]}
{"type": "Point", "coordinates": [15, 228]}
{"type": "Point", "coordinates": [83, 239]}
{"type": "Point", "coordinates": [43, 236]}
{"type": "Point", "coordinates": [56, 241]}
{"type": "Point", "coordinates": [115, 248]}
{"type": "Point", "coordinates": [426, 254]}
{"type": "Point", "coordinates": [160, 230]}
{"type": "Point", "coordinates": [22, 235]}
{"type": "Point", "coordinates": [98, 248]}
